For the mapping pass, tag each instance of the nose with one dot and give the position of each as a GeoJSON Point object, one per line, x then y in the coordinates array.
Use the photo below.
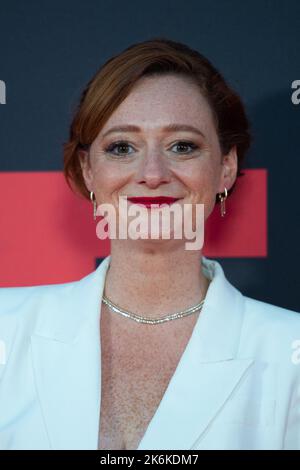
{"type": "Point", "coordinates": [153, 170]}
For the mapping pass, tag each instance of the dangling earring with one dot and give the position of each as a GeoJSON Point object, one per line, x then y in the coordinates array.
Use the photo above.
{"type": "Point", "coordinates": [93, 199]}
{"type": "Point", "coordinates": [222, 198]}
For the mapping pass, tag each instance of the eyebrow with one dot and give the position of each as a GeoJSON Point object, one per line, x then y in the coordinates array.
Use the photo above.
{"type": "Point", "coordinates": [169, 128]}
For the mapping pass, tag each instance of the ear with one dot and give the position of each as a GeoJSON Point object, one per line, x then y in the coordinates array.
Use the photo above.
{"type": "Point", "coordinates": [229, 169]}
{"type": "Point", "coordinates": [84, 159]}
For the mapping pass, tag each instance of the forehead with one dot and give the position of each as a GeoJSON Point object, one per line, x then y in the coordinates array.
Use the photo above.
{"type": "Point", "coordinates": [156, 102]}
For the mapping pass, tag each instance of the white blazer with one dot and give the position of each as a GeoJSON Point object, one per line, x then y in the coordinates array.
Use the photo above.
{"type": "Point", "coordinates": [236, 385]}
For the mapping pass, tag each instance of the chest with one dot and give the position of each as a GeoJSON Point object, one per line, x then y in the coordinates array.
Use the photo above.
{"type": "Point", "coordinates": [135, 374]}
{"type": "Point", "coordinates": [129, 400]}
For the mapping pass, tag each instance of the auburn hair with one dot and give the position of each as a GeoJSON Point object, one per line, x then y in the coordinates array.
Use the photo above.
{"type": "Point", "coordinates": [115, 79]}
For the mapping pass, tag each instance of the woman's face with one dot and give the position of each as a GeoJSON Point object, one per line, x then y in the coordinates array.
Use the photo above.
{"type": "Point", "coordinates": [154, 160]}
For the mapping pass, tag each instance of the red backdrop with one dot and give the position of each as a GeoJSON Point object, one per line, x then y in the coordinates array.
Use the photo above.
{"type": "Point", "coordinates": [48, 233]}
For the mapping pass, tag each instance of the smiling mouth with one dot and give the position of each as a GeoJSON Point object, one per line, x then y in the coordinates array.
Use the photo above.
{"type": "Point", "coordinates": [150, 201]}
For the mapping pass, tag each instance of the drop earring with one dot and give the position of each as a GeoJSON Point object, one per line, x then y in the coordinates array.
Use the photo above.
{"type": "Point", "coordinates": [93, 199]}
{"type": "Point", "coordinates": [222, 197]}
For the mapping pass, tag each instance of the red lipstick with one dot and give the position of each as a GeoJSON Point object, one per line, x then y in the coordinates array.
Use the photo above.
{"type": "Point", "coordinates": [148, 201]}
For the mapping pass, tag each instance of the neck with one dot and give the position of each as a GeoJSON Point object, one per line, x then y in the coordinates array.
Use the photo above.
{"type": "Point", "coordinates": [153, 282]}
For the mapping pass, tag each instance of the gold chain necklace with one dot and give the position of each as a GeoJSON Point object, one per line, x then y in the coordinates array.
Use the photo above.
{"type": "Point", "coordinates": [152, 321]}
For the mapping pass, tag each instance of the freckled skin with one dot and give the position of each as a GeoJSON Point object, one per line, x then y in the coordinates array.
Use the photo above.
{"type": "Point", "coordinates": [153, 103]}
{"type": "Point", "coordinates": [135, 376]}
{"type": "Point", "coordinates": [156, 275]}
{"type": "Point", "coordinates": [152, 277]}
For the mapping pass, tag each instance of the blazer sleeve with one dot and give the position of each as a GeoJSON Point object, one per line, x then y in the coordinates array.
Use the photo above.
{"type": "Point", "coordinates": [292, 430]}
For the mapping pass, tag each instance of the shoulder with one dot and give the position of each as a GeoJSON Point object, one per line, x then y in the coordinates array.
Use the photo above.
{"type": "Point", "coordinates": [271, 333]}
{"type": "Point", "coordinates": [265, 314]}
{"type": "Point", "coordinates": [20, 306]}
{"type": "Point", "coordinates": [56, 310]}
{"type": "Point", "coordinates": [257, 316]}
{"type": "Point", "coordinates": [14, 299]}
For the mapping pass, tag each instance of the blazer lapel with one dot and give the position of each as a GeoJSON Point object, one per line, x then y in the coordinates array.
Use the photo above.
{"type": "Point", "coordinates": [67, 362]}
{"type": "Point", "coordinates": [207, 372]}
{"type": "Point", "coordinates": [193, 399]}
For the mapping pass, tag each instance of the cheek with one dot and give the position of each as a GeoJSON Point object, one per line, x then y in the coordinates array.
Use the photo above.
{"type": "Point", "coordinates": [107, 183]}
{"type": "Point", "coordinates": [202, 184]}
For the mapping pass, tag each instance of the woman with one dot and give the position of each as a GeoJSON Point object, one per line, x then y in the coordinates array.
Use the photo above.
{"type": "Point", "coordinates": [109, 362]}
